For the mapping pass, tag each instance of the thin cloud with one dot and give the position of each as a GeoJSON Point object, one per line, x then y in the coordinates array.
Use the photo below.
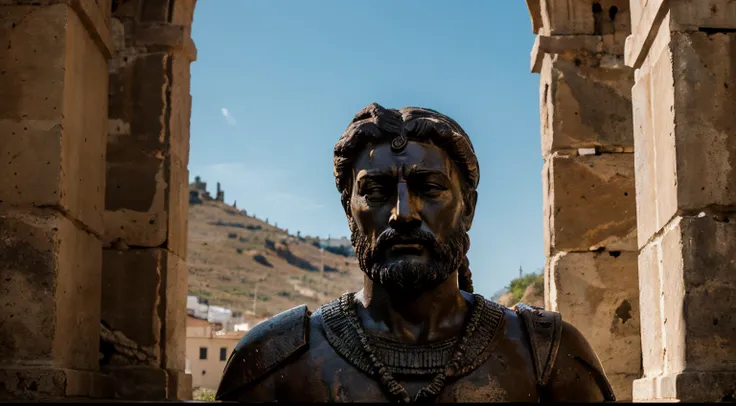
{"type": "Point", "coordinates": [241, 177]}
{"type": "Point", "coordinates": [230, 119]}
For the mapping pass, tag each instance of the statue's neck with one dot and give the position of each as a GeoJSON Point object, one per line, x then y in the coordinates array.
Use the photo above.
{"type": "Point", "coordinates": [435, 315]}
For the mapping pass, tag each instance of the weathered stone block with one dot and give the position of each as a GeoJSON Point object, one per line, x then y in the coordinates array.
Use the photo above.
{"type": "Point", "coordinates": [650, 296]}
{"type": "Point", "coordinates": [44, 384]}
{"type": "Point", "coordinates": [180, 385]}
{"type": "Point", "coordinates": [661, 172]}
{"type": "Point", "coordinates": [592, 203]}
{"type": "Point", "coordinates": [53, 111]}
{"type": "Point", "coordinates": [709, 272]}
{"type": "Point", "coordinates": [705, 124]}
{"type": "Point", "coordinates": [636, 7]}
{"type": "Point", "coordinates": [535, 12]}
{"type": "Point", "coordinates": [144, 307]}
{"type": "Point", "coordinates": [547, 200]}
{"type": "Point", "coordinates": [147, 150]}
{"type": "Point", "coordinates": [154, 10]}
{"type": "Point", "coordinates": [683, 157]}
{"type": "Point", "coordinates": [687, 387]}
{"type": "Point", "coordinates": [592, 17]}
{"type": "Point", "coordinates": [584, 106]}
{"type": "Point", "coordinates": [682, 273]}
{"type": "Point", "coordinates": [102, 7]}
{"type": "Point", "coordinates": [645, 14]}
{"type": "Point", "coordinates": [178, 207]}
{"type": "Point", "coordinates": [131, 284]}
{"type": "Point", "coordinates": [598, 292]}
{"type": "Point", "coordinates": [183, 12]}
{"type": "Point", "coordinates": [33, 76]}
{"type": "Point", "coordinates": [138, 103]}
{"type": "Point", "coordinates": [692, 15]}
{"type": "Point", "coordinates": [622, 385]}
{"type": "Point", "coordinates": [181, 106]}
{"type": "Point", "coordinates": [136, 203]}
{"type": "Point", "coordinates": [50, 291]}
{"type": "Point", "coordinates": [139, 382]}
{"type": "Point", "coordinates": [644, 158]}
{"type": "Point", "coordinates": [174, 308]}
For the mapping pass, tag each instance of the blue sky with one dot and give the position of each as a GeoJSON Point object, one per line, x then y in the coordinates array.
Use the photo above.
{"type": "Point", "coordinates": [277, 82]}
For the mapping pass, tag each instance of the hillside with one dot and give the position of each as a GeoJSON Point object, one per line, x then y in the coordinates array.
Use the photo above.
{"type": "Point", "coordinates": [527, 289]}
{"type": "Point", "coordinates": [229, 252]}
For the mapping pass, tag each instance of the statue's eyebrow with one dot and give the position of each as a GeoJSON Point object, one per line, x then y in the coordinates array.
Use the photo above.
{"type": "Point", "coordinates": [376, 174]}
{"type": "Point", "coordinates": [415, 171]}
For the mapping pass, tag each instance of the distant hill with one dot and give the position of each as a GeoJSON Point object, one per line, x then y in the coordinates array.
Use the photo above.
{"type": "Point", "coordinates": [230, 253]}
{"type": "Point", "coordinates": [527, 289]}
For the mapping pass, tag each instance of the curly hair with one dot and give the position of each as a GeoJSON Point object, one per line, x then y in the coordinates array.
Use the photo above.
{"type": "Point", "coordinates": [375, 124]}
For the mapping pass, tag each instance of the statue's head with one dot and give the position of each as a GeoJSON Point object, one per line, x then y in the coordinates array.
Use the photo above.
{"type": "Point", "coordinates": [408, 182]}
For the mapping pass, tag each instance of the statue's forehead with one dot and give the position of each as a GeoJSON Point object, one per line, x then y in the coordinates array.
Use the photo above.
{"type": "Point", "coordinates": [422, 155]}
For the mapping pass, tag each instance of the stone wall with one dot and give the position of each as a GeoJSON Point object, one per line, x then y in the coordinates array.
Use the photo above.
{"type": "Point", "coordinates": [588, 177]}
{"type": "Point", "coordinates": [94, 120]}
{"type": "Point", "coordinates": [144, 270]}
{"type": "Point", "coordinates": [685, 136]}
{"type": "Point", "coordinates": [53, 110]}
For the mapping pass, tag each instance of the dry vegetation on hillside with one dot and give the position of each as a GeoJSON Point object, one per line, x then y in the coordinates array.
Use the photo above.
{"type": "Point", "coordinates": [527, 289]}
{"type": "Point", "coordinates": [229, 252]}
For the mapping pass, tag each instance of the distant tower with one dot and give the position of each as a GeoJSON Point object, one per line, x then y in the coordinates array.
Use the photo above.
{"type": "Point", "coordinates": [199, 185]}
{"type": "Point", "coordinates": [235, 204]}
{"type": "Point", "coordinates": [521, 272]}
{"type": "Point", "coordinates": [220, 194]}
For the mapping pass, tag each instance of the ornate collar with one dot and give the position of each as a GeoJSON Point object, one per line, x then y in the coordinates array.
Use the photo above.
{"type": "Point", "coordinates": [406, 359]}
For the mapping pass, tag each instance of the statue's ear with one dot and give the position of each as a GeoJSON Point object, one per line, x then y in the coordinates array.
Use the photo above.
{"type": "Point", "coordinates": [346, 206]}
{"type": "Point", "coordinates": [469, 209]}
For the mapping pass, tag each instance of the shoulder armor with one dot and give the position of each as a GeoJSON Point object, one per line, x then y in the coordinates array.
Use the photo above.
{"type": "Point", "coordinates": [545, 329]}
{"type": "Point", "coordinates": [264, 348]}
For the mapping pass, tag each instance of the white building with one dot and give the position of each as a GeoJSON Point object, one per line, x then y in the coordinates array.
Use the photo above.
{"type": "Point", "coordinates": [197, 307]}
{"type": "Point", "coordinates": [220, 315]}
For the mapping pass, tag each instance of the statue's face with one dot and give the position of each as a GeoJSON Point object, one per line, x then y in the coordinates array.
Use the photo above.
{"type": "Point", "coordinates": [408, 216]}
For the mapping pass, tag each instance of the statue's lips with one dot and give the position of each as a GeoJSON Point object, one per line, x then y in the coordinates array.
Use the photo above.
{"type": "Point", "coordinates": [407, 249]}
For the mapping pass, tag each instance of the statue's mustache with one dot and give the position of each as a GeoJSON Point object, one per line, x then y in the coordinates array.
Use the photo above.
{"type": "Point", "coordinates": [391, 237]}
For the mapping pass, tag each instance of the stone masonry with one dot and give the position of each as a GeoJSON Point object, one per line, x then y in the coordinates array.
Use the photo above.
{"type": "Point", "coordinates": [94, 140]}
{"type": "Point", "coordinates": [588, 177]}
{"type": "Point", "coordinates": [146, 199]}
{"type": "Point", "coordinates": [53, 110]}
{"type": "Point", "coordinates": [684, 101]}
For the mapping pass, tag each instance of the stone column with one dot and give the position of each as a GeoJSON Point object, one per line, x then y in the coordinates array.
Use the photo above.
{"type": "Point", "coordinates": [53, 129]}
{"type": "Point", "coordinates": [588, 177]}
{"type": "Point", "coordinates": [146, 200]}
{"type": "Point", "coordinates": [684, 101]}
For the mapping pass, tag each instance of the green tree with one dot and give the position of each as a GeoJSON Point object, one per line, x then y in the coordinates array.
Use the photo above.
{"type": "Point", "coordinates": [518, 286]}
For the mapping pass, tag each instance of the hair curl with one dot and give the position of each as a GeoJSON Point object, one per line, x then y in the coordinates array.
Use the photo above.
{"type": "Point", "coordinates": [375, 124]}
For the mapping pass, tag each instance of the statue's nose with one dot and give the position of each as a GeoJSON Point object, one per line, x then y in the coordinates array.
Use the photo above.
{"type": "Point", "coordinates": [404, 214]}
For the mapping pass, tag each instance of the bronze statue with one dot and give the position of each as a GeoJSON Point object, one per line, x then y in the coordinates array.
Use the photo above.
{"type": "Point", "coordinates": [415, 332]}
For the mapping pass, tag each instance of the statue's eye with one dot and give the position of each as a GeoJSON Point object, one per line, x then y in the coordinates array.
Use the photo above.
{"type": "Point", "coordinates": [374, 194]}
{"type": "Point", "coordinates": [431, 189]}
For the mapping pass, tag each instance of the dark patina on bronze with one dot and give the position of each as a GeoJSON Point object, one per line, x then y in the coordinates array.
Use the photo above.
{"type": "Point", "coordinates": [415, 332]}
{"type": "Point", "coordinates": [399, 142]}
{"type": "Point", "coordinates": [383, 358]}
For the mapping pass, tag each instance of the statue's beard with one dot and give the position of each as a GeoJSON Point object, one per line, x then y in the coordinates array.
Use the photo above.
{"type": "Point", "coordinates": [408, 276]}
